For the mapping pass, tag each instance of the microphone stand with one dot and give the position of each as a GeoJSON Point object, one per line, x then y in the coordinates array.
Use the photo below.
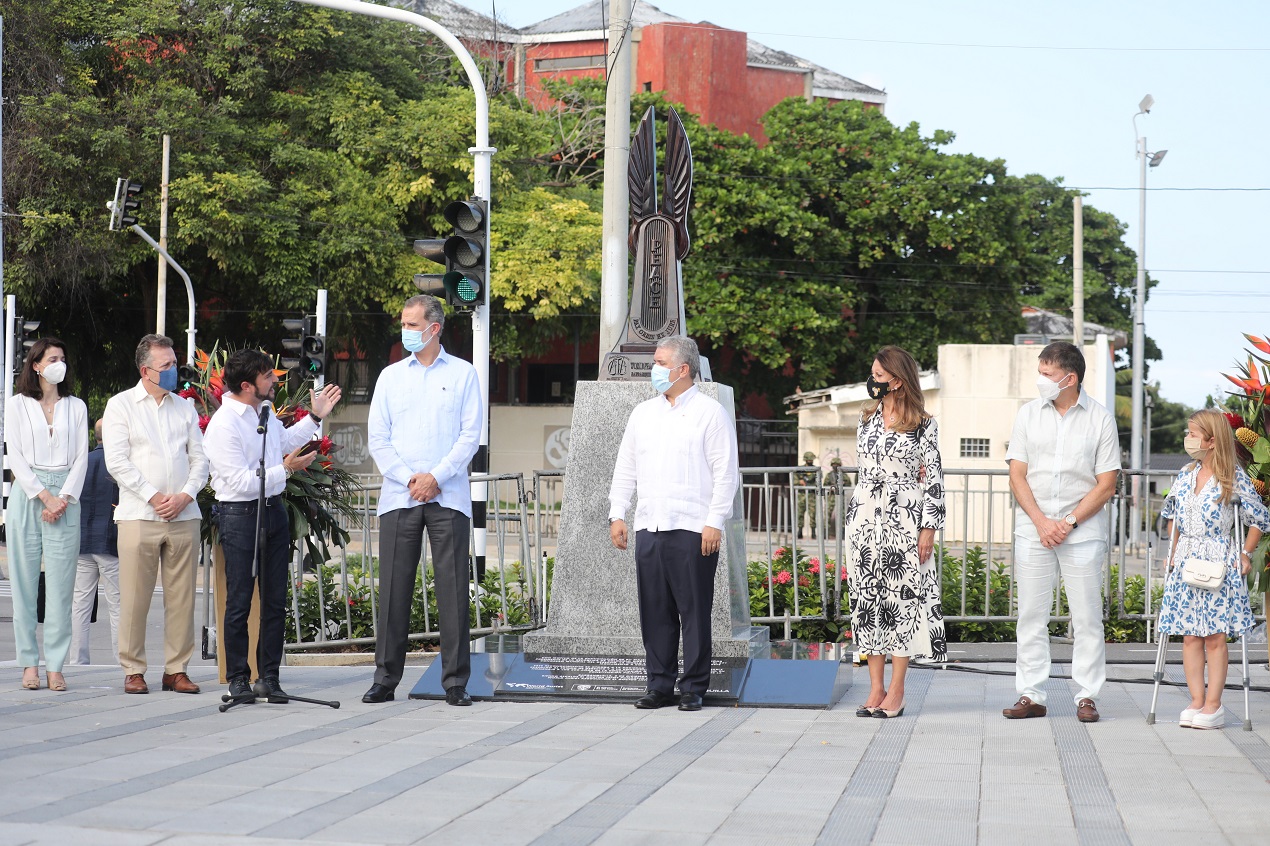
{"type": "Point", "coordinates": [262, 429]}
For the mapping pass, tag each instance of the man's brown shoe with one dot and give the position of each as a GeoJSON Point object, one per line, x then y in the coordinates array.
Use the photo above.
{"type": "Point", "coordinates": [135, 683]}
{"type": "Point", "coordinates": [1086, 712]}
{"type": "Point", "coordinates": [179, 682]}
{"type": "Point", "coordinates": [1023, 709]}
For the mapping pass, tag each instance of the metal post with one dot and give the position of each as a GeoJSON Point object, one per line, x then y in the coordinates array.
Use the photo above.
{"type": "Point", "coordinates": [481, 155]}
{"type": "Point", "coordinates": [614, 279]}
{"type": "Point", "coordinates": [321, 332]}
{"type": "Point", "coordinates": [189, 289]}
{"type": "Point", "coordinates": [7, 315]}
{"type": "Point", "coordinates": [1078, 273]}
{"type": "Point", "coordinates": [161, 296]}
{"type": "Point", "coordinates": [1135, 437]}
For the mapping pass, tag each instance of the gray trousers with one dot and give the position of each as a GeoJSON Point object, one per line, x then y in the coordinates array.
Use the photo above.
{"type": "Point", "coordinates": [400, 545]}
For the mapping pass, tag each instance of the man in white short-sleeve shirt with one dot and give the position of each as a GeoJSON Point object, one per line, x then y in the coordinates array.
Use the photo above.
{"type": "Point", "coordinates": [1064, 455]}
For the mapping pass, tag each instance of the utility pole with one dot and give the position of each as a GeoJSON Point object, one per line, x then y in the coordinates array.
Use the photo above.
{"type": "Point", "coordinates": [615, 278]}
{"type": "Point", "coordinates": [1078, 274]}
{"type": "Point", "coordinates": [161, 296]}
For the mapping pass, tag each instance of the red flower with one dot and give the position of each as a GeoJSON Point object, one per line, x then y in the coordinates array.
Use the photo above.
{"type": "Point", "coordinates": [1259, 343]}
{"type": "Point", "coordinates": [189, 393]}
{"type": "Point", "coordinates": [804, 581]}
{"type": "Point", "coordinates": [218, 391]}
{"type": "Point", "coordinates": [325, 447]}
{"type": "Point", "coordinates": [1235, 421]}
{"type": "Point", "coordinates": [815, 565]}
{"type": "Point", "coordinates": [844, 572]}
{"type": "Point", "coordinates": [779, 551]}
{"type": "Point", "coordinates": [783, 577]}
{"type": "Point", "coordinates": [299, 414]}
{"type": "Point", "coordinates": [203, 420]}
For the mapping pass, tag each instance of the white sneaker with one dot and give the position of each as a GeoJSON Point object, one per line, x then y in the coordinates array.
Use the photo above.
{"type": "Point", "coordinates": [1188, 714]}
{"type": "Point", "coordinates": [1215, 720]}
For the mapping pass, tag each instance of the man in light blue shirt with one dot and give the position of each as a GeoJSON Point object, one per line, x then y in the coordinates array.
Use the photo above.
{"type": "Point", "coordinates": [424, 428]}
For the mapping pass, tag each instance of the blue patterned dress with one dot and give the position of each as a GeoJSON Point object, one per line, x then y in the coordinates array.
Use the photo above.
{"type": "Point", "coordinates": [1206, 530]}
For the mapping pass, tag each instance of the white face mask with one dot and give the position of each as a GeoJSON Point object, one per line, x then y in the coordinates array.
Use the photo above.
{"type": "Point", "coordinates": [1049, 389]}
{"type": "Point", "coordinates": [54, 373]}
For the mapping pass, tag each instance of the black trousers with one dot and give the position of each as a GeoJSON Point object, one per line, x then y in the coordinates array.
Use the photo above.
{"type": "Point", "coordinates": [676, 592]}
{"type": "Point", "coordinates": [237, 524]}
{"type": "Point", "coordinates": [400, 545]}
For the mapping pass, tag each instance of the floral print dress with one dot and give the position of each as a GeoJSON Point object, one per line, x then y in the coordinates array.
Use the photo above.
{"type": "Point", "coordinates": [895, 607]}
{"type": "Point", "coordinates": [1206, 529]}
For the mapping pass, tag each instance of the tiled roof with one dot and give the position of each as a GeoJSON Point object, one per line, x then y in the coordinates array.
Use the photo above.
{"type": "Point", "coordinates": [594, 15]}
{"type": "Point", "coordinates": [825, 83]}
{"type": "Point", "coordinates": [457, 18]}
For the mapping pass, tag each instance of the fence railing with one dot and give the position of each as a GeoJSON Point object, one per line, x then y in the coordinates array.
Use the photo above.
{"type": "Point", "coordinates": [796, 551]}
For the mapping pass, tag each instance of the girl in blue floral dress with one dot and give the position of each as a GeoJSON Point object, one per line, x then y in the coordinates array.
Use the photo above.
{"type": "Point", "coordinates": [1202, 502]}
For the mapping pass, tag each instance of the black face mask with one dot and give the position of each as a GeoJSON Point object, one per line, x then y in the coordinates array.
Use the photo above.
{"type": "Point", "coordinates": [877, 389]}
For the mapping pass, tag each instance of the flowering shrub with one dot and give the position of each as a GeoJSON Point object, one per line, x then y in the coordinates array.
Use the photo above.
{"type": "Point", "coordinates": [1247, 418]}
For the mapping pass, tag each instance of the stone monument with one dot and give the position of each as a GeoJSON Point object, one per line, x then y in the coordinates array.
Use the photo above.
{"type": "Point", "coordinates": [591, 647]}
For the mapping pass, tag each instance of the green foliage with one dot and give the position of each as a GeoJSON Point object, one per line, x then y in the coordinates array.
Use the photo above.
{"type": "Point", "coordinates": [346, 602]}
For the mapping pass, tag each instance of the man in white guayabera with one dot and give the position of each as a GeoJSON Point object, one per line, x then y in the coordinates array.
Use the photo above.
{"type": "Point", "coordinates": [679, 455]}
{"type": "Point", "coordinates": [1064, 456]}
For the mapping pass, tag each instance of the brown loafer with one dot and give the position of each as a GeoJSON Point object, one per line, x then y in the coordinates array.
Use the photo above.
{"type": "Point", "coordinates": [1023, 709]}
{"type": "Point", "coordinates": [1086, 712]}
{"type": "Point", "coordinates": [135, 683]}
{"type": "Point", "coordinates": [179, 682]}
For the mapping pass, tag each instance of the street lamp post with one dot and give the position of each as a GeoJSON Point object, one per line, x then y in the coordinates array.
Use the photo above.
{"type": "Point", "coordinates": [1145, 160]}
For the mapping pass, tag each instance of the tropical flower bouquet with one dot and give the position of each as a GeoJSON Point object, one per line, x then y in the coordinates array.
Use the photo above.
{"type": "Point", "coordinates": [1247, 416]}
{"type": "Point", "coordinates": [320, 501]}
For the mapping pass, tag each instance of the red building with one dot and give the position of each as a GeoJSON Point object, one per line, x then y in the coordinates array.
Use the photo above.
{"type": "Point", "coordinates": [722, 75]}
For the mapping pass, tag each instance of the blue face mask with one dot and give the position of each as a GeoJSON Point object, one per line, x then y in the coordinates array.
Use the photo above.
{"type": "Point", "coordinates": [413, 340]}
{"type": "Point", "coordinates": [167, 379]}
{"type": "Point", "coordinates": [661, 379]}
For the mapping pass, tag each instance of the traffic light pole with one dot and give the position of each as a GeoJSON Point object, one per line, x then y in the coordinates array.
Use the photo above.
{"type": "Point", "coordinates": [481, 154]}
{"type": "Point", "coordinates": [189, 289]}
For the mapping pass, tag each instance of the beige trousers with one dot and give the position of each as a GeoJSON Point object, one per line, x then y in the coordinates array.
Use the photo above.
{"type": "Point", "coordinates": [150, 550]}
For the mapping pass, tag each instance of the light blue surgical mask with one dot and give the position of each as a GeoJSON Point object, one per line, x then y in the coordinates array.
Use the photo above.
{"type": "Point", "coordinates": [167, 379]}
{"type": "Point", "coordinates": [412, 340]}
{"type": "Point", "coordinates": [661, 378]}
{"type": "Point", "coordinates": [415, 339]}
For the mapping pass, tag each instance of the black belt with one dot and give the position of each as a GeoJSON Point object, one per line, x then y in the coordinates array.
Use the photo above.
{"type": "Point", "coordinates": [270, 501]}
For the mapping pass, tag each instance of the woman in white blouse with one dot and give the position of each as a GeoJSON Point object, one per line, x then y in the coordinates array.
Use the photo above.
{"type": "Point", "coordinates": [46, 432]}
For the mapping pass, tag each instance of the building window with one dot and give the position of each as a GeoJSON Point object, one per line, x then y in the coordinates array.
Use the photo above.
{"type": "Point", "coordinates": [648, 87]}
{"type": "Point", "coordinates": [569, 63]}
{"type": "Point", "coordinates": [974, 448]}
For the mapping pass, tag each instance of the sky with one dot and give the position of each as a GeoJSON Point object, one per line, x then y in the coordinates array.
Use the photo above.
{"type": "Point", "coordinates": [1052, 88]}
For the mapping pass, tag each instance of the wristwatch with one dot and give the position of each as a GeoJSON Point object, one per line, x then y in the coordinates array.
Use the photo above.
{"type": "Point", "coordinates": [1070, 520]}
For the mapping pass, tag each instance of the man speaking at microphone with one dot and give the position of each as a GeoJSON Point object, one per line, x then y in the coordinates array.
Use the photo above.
{"type": "Point", "coordinates": [244, 423]}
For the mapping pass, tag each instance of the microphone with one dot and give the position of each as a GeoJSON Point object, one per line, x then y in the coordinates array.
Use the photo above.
{"type": "Point", "coordinates": [263, 423]}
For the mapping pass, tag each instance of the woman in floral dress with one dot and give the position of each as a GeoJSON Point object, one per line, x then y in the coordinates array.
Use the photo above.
{"type": "Point", "coordinates": [897, 507]}
{"type": "Point", "coordinates": [1202, 503]}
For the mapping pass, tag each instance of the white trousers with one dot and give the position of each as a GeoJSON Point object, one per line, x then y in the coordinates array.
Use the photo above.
{"type": "Point", "coordinates": [1035, 568]}
{"type": "Point", "coordinates": [90, 570]}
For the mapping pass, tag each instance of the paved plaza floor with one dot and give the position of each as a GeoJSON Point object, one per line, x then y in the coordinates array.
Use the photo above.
{"type": "Point", "coordinates": [94, 766]}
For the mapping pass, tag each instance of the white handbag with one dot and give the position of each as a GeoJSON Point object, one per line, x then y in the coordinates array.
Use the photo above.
{"type": "Point", "coordinates": [1201, 572]}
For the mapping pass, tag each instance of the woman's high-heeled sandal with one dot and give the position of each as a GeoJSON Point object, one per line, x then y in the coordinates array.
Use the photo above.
{"type": "Point", "coordinates": [58, 684]}
{"type": "Point", "coordinates": [29, 683]}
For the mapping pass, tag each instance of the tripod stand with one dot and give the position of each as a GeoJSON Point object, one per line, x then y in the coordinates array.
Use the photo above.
{"type": "Point", "coordinates": [260, 690]}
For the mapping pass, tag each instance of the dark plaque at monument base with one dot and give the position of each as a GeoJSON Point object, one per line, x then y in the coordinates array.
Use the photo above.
{"type": "Point", "coordinates": [606, 678]}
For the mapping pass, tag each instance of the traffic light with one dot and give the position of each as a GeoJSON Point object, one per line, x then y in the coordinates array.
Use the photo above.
{"type": "Point", "coordinates": [126, 204]}
{"type": "Point", "coordinates": [465, 253]}
{"type": "Point", "coordinates": [23, 339]}
{"type": "Point", "coordinates": [313, 358]}
{"type": "Point", "coordinates": [186, 376]}
{"type": "Point", "coordinates": [293, 347]}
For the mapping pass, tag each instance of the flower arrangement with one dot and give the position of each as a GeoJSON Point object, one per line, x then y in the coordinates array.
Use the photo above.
{"type": "Point", "coordinates": [1247, 417]}
{"type": "Point", "coordinates": [320, 501]}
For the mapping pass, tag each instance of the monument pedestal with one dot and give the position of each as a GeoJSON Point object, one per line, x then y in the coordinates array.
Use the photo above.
{"type": "Point", "coordinates": [591, 649]}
